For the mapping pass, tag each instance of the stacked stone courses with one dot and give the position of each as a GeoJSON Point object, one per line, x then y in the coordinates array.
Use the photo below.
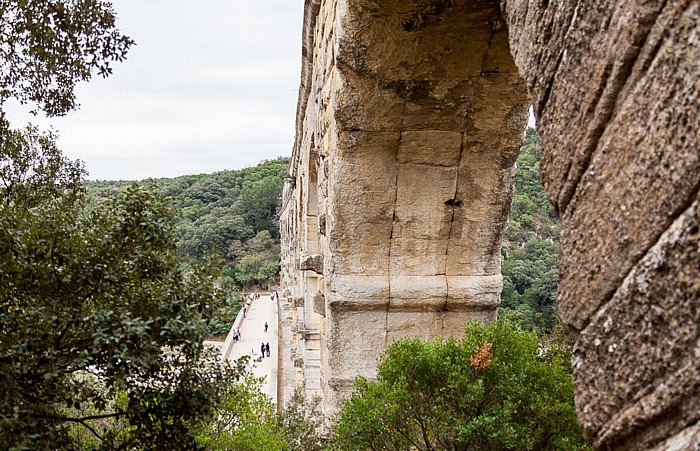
{"type": "Point", "coordinates": [409, 121]}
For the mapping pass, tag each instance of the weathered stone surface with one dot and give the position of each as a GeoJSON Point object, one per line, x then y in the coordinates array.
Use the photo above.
{"type": "Point", "coordinates": [410, 116]}
{"type": "Point", "coordinates": [636, 364]}
{"type": "Point", "coordinates": [686, 440]}
{"type": "Point", "coordinates": [320, 304]}
{"type": "Point", "coordinates": [616, 89]}
{"type": "Point", "coordinates": [312, 262]}
{"type": "Point", "coordinates": [432, 147]}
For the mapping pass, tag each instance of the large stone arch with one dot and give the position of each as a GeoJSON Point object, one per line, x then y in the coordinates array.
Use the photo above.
{"type": "Point", "coordinates": [412, 112]}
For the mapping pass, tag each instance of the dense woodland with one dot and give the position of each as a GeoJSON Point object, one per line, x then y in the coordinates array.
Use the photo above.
{"type": "Point", "coordinates": [531, 246]}
{"type": "Point", "coordinates": [228, 218]}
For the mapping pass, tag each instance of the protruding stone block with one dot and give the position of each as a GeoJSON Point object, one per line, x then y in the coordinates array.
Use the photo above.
{"type": "Point", "coordinates": [320, 304]}
{"type": "Point", "coordinates": [312, 262]}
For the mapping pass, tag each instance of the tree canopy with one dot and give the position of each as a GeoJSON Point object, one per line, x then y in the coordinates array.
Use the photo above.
{"type": "Point", "coordinates": [530, 247]}
{"type": "Point", "coordinates": [51, 45]}
{"type": "Point", "coordinates": [497, 388]}
{"type": "Point", "coordinates": [95, 305]}
{"type": "Point", "coordinates": [229, 214]}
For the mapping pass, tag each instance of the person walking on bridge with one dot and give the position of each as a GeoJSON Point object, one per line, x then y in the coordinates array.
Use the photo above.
{"type": "Point", "coordinates": [265, 326]}
{"type": "Point", "coordinates": [262, 349]}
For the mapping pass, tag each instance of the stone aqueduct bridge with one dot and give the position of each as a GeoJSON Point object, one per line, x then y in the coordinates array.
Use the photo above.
{"type": "Point", "coordinates": [409, 120]}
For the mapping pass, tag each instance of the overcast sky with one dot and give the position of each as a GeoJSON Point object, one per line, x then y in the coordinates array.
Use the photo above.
{"type": "Point", "coordinates": [210, 85]}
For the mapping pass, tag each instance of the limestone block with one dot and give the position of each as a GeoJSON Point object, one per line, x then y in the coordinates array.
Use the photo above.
{"type": "Point", "coordinates": [415, 256]}
{"type": "Point", "coordinates": [421, 220]}
{"type": "Point", "coordinates": [320, 304]}
{"type": "Point", "coordinates": [312, 262]}
{"type": "Point", "coordinates": [431, 147]}
{"type": "Point", "coordinates": [312, 356]}
{"type": "Point", "coordinates": [423, 324]}
{"type": "Point", "coordinates": [418, 293]}
{"type": "Point", "coordinates": [362, 190]}
{"type": "Point", "coordinates": [484, 192]}
{"type": "Point", "coordinates": [356, 341]}
{"type": "Point", "coordinates": [360, 103]}
{"type": "Point", "coordinates": [357, 292]}
{"type": "Point", "coordinates": [636, 363]}
{"type": "Point", "coordinates": [474, 292]}
{"type": "Point", "coordinates": [421, 211]}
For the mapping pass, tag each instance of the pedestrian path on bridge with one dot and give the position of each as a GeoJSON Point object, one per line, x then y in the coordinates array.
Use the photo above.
{"type": "Point", "coordinates": [252, 328]}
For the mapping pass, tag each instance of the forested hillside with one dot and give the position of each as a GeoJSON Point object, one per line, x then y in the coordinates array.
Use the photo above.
{"type": "Point", "coordinates": [530, 247]}
{"type": "Point", "coordinates": [228, 216]}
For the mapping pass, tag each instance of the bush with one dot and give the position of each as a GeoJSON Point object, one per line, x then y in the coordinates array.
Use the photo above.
{"type": "Point", "coordinates": [496, 388]}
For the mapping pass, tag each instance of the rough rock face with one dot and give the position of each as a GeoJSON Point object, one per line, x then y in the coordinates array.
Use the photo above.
{"type": "Point", "coordinates": [410, 115]}
{"type": "Point", "coordinates": [616, 89]}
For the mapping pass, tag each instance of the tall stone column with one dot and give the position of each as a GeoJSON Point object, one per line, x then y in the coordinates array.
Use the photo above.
{"type": "Point", "coordinates": [410, 118]}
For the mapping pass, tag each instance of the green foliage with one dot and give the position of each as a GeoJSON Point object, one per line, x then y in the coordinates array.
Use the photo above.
{"type": "Point", "coordinates": [222, 317]}
{"type": "Point", "coordinates": [496, 388]}
{"type": "Point", "coordinates": [301, 421]}
{"type": "Point", "coordinates": [530, 248]}
{"type": "Point", "coordinates": [228, 215]}
{"type": "Point", "coordinates": [246, 420]}
{"type": "Point", "coordinates": [221, 208]}
{"type": "Point", "coordinates": [256, 269]}
{"type": "Point", "coordinates": [49, 46]}
{"type": "Point", "coordinates": [258, 202]}
{"type": "Point", "coordinates": [96, 291]}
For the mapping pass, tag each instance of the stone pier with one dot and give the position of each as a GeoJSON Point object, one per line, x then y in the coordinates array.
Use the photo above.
{"type": "Point", "coordinates": [409, 118]}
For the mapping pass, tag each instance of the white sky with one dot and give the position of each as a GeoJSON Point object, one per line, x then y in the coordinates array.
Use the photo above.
{"type": "Point", "coordinates": [210, 85]}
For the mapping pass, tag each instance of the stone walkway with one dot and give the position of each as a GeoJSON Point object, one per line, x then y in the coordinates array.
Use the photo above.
{"type": "Point", "coordinates": [253, 334]}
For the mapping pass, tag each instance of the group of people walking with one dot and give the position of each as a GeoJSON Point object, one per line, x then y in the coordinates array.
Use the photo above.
{"type": "Point", "coordinates": [264, 347]}
{"type": "Point", "coordinates": [255, 296]}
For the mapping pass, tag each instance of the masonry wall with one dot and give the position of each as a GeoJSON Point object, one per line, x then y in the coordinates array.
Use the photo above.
{"type": "Point", "coordinates": [616, 92]}
{"type": "Point", "coordinates": [409, 120]}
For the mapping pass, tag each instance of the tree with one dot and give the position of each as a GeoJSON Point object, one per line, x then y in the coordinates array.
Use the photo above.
{"type": "Point", "coordinates": [530, 248]}
{"type": "Point", "coordinates": [301, 422]}
{"type": "Point", "coordinates": [496, 388]}
{"type": "Point", "coordinates": [258, 201]}
{"type": "Point", "coordinates": [245, 421]}
{"type": "Point", "coordinates": [96, 304]}
{"type": "Point", "coordinates": [51, 45]}
{"type": "Point", "coordinates": [257, 269]}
